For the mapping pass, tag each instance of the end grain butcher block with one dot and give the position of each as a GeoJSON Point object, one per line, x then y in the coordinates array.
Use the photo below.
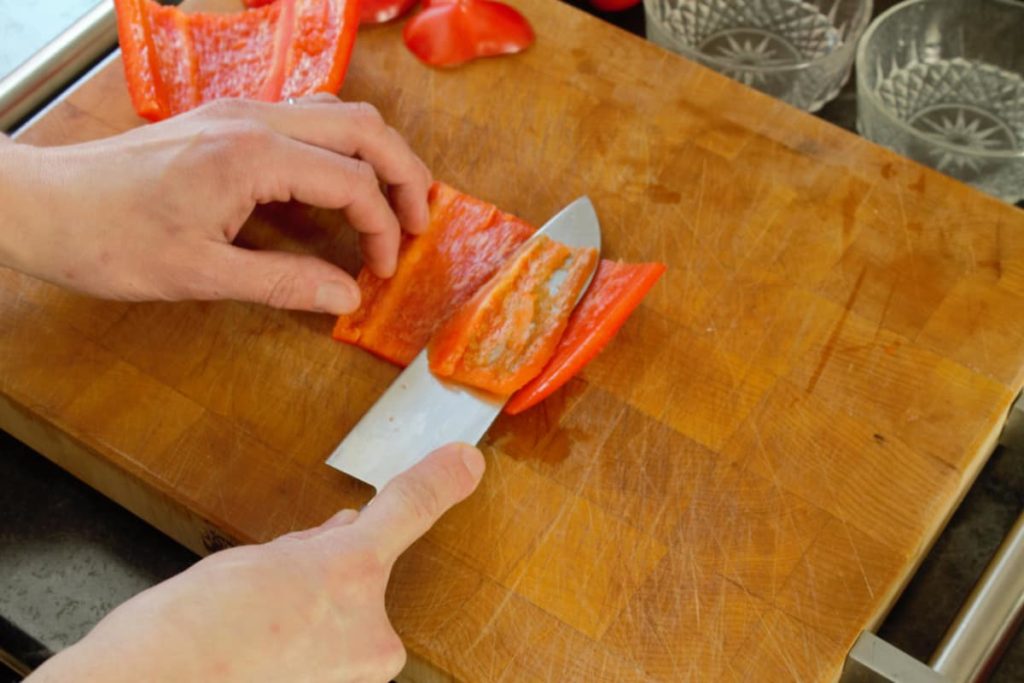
{"type": "Point", "coordinates": [740, 484]}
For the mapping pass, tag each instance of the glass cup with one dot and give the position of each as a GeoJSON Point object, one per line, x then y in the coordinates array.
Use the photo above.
{"type": "Point", "coordinates": [942, 82]}
{"type": "Point", "coordinates": [800, 51]}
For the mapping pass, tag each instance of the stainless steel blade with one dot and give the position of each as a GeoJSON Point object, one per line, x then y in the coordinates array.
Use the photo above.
{"type": "Point", "coordinates": [419, 413]}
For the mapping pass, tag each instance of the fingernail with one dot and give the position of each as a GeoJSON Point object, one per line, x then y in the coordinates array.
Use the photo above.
{"type": "Point", "coordinates": [473, 460]}
{"type": "Point", "coordinates": [336, 297]}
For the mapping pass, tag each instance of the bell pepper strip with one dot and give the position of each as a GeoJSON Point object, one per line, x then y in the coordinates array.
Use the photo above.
{"type": "Point", "coordinates": [465, 243]}
{"type": "Point", "coordinates": [617, 289]}
{"type": "Point", "coordinates": [141, 67]}
{"type": "Point", "coordinates": [319, 46]}
{"type": "Point", "coordinates": [505, 334]}
{"type": "Point", "coordinates": [451, 32]}
{"type": "Point", "coordinates": [176, 61]}
{"type": "Point", "coordinates": [234, 54]}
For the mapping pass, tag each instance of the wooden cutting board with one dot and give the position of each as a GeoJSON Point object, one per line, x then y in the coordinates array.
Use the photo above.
{"type": "Point", "coordinates": [738, 486]}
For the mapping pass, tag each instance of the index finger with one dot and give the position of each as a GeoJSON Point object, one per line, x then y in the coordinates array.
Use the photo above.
{"type": "Point", "coordinates": [357, 129]}
{"type": "Point", "coordinates": [409, 505]}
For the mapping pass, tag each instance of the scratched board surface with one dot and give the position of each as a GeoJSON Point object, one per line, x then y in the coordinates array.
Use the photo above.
{"type": "Point", "coordinates": [738, 486]}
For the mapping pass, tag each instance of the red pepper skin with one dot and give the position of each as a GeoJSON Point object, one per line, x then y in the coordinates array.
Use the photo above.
{"type": "Point", "coordinates": [617, 289]}
{"type": "Point", "coordinates": [505, 334]}
{"type": "Point", "coordinates": [451, 32]}
{"type": "Point", "coordinates": [252, 4]}
{"type": "Point", "coordinates": [465, 243]}
{"type": "Point", "coordinates": [175, 61]}
{"type": "Point", "coordinates": [613, 5]}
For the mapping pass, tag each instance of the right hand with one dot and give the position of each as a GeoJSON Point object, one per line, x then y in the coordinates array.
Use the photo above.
{"type": "Point", "coordinates": [308, 606]}
{"type": "Point", "coordinates": [150, 214]}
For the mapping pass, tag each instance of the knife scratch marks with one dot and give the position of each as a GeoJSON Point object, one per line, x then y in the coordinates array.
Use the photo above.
{"type": "Point", "coordinates": [860, 562]}
{"type": "Point", "coordinates": [830, 345]}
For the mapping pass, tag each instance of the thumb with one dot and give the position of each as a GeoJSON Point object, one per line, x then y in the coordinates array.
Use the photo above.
{"type": "Point", "coordinates": [411, 502]}
{"type": "Point", "coordinates": [277, 279]}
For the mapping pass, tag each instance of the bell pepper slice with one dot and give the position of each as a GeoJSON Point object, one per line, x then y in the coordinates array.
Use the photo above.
{"type": "Point", "coordinates": [617, 289]}
{"type": "Point", "coordinates": [175, 61]}
{"type": "Point", "coordinates": [139, 56]}
{"type": "Point", "coordinates": [505, 334]}
{"type": "Point", "coordinates": [452, 32]}
{"type": "Point", "coordinates": [234, 55]}
{"type": "Point", "coordinates": [465, 243]}
{"type": "Point", "coordinates": [319, 46]}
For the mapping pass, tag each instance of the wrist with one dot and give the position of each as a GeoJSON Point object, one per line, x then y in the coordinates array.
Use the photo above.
{"type": "Point", "coordinates": [21, 181]}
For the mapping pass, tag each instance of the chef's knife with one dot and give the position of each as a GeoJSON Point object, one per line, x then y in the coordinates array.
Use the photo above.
{"type": "Point", "coordinates": [419, 412]}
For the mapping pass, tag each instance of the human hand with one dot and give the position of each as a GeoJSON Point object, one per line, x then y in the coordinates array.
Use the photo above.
{"type": "Point", "coordinates": [308, 606]}
{"type": "Point", "coordinates": [150, 214]}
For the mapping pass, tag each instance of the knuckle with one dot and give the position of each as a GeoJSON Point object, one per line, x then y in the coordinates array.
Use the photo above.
{"type": "Point", "coordinates": [418, 498]}
{"type": "Point", "coordinates": [458, 476]}
{"type": "Point", "coordinates": [364, 173]}
{"type": "Point", "coordinates": [358, 573]}
{"type": "Point", "coordinates": [246, 132]}
{"type": "Point", "coordinates": [368, 116]}
{"type": "Point", "coordinates": [322, 98]}
{"type": "Point", "coordinates": [231, 138]}
{"type": "Point", "coordinates": [227, 107]}
{"type": "Point", "coordinates": [280, 291]}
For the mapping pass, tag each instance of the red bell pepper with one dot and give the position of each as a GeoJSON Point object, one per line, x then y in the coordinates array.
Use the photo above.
{"type": "Point", "coordinates": [465, 243]}
{"type": "Point", "coordinates": [617, 289]}
{"type": "Point", "coordinates": [451, 32]}
{"type": "Point", "coordinates": [175, 61]}
{"type": "Point", "coordinates": [505, 334]}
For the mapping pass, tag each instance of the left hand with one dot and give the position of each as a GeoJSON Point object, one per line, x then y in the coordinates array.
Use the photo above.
{"type": "Point", "coordinates": [151, 213]}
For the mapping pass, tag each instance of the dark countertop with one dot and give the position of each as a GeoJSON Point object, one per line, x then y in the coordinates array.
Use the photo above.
{"type": "Point", "coordinates": [68, 555]}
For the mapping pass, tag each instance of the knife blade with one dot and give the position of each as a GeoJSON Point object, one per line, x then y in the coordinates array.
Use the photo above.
{"type": "Point", "coordinates": [419, 413]}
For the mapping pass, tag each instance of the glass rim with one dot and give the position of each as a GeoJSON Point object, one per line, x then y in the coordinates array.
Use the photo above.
{"type": "Point", "coordinates": [846, 46]}
{"type": "Point", "coordinates": [864, 91]}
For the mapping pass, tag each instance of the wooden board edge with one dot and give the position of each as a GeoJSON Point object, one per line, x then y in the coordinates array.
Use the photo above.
{"type": "Point", "coordinates": [129, 491]}
{"type": "Point", "coordinates": [986, 445]}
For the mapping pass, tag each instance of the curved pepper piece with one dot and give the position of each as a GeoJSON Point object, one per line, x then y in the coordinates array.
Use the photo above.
{"type": "Point", "coordinates": [616, 290]}
{"type": "Point", "coordinates": [452, 32]}
{"type": "Point", "coordinates": [175, 61]}
{"type": "Point", "coordinates": [465, 243]}
{"type": "Point", "coordinates": [504, 336]}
